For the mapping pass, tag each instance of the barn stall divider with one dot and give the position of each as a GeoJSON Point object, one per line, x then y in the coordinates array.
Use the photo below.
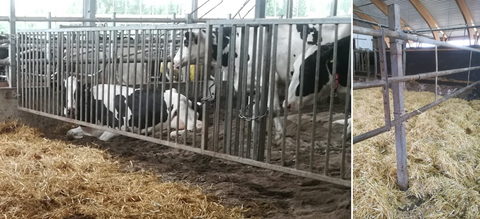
{"type": "Point", "coordinates": [237, 122]}
{"type": "Point", "coordinates": [397, 83]}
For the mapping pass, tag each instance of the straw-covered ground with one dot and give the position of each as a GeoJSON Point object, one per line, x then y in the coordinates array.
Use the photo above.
{"type": "Point", "coordinates": [443, 159]}
{"type": "Point", "coordinates": [46, 176]}
{"type": "Point", "coordinates": [42, 178]}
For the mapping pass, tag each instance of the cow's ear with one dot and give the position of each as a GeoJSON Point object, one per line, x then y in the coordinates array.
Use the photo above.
{"type": "Point", "coordinates": [193, 35]}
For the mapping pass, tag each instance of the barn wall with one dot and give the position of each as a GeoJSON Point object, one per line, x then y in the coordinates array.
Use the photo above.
{"type": "Point", "coordinates": [8, 105]}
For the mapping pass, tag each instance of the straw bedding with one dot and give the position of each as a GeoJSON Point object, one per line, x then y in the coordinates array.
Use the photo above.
{"type": "Point", "coordinates": [42, 178]}
{"type": "Point", "coordinates": [443, 149]}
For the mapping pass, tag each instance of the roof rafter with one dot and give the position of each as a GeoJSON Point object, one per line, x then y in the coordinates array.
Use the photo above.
{"type": "Point", "coordinates": [468, 19]}
{"type": "Point", "coordinates": [367, 17]}
{"type": "Point", "coordinates": [428, 18]}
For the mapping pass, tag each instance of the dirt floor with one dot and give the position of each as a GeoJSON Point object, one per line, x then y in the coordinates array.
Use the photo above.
{"type": "Point", "coordinates": [266, 193]}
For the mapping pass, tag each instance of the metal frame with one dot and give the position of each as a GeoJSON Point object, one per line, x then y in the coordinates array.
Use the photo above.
{"type": "Point", "coordinates": [35, 85]}
{"type": "Point", "coordinates": [397, 81]}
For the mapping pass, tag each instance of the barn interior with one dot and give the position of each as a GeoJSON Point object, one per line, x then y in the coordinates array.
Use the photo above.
{"type": "Point", "coordinates": [235, 166]}
{"type": "Point", "coordinates": [415, 106]}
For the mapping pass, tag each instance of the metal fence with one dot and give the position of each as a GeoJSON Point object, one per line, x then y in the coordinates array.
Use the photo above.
{"type": "Point", "coordinates": [397, 81]}
{"type": "Point", "coordinates": [239, 120]}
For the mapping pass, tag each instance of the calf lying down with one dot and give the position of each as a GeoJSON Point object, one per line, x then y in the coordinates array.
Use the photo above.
{"type": "Point", "coordinates": [129, 109]}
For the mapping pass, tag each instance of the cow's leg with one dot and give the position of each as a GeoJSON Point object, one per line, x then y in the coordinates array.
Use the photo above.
{"type": "Point", "coordinates": [81, 131]}
{"type": "Point", "coordinates": [107, 136]}
{"type": "Point", "coordinates": [276, 111]}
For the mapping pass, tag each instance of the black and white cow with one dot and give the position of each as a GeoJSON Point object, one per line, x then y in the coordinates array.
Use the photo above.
{"type": "Point", "coordinates": [281, 76]}
{"type": "Point", "coordinates": [127, 108]}
{"type": "Point", "coordinates": [325, 77]}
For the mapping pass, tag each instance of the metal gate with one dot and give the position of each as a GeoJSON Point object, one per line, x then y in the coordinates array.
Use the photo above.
{"type": "Point", "coordinates": [239, 119]}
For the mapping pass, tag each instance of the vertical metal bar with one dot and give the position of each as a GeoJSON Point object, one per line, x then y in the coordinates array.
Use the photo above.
{"type": "Point", "coordinates": [196, 86]}
{"type": "Point", "coordinates": [156, 73]}
{"type": "Point", "coordinates": [332, 93]}
{"type": "Point", "coordinates": [164, 70]}
{"type": "Point", "coordinates": [45, 72]}
{"type": "Point", "coordinates": [149, 78]}
{"type": "Point", "coordinates": [12, 52]}
{"type": "Point", "coordinates": [333, 8]}
{"type": "Point", "coordinates": [260, 8]}
{"type": "Point", "coordinates": [396, 60]}
{"type": "Point", "coordinates": [58, 67]}
{"type": "Point", "coordinates": [135, 82]}
{"type": "Point", "coordinates": [384, 74]}
{"type": "Point", "coordinates": [250, 133]}
{"type": "Point", "coordinates": [264, 93]}
{"type": "Point", "coordinates": [375, 57]}
{"type": "Point", "coordinates": [243, 82]}
{"type": "Point", "coordinates": [218, 89]}
{"type": "Point", "coordinates": [172, 51]}
{"type": "Point", "coordinates": [187, 74]}
{"type": "Point", "coordinates": [62, 69]}
{"type": "Point", "coordinates": [94, 73]}
{"type": "Point", "coordinates": [289, 8]}
{"type": "Point", "coordinates": [271, 90]}
{"type": "Point", "coordinates": [469, 65]}
{"type": "Point", "coordinates": [302, 84]}
{"type": "Point", "coordinates": [315, 90]}
{"type": "Point", "coordinates": [231, 71]}
{"type": "Point", "coordinates": [105, 78]}
{"type": "Point", "coordinates": [35, 59]}
{"type": "Point", "coordinates": [436, 70]}
{"type": "Point", "coordinates": [142, 79]}
{"type": "Point", "coordinates": [256, 110]}
{"type": "Point", "coordinates": [207, 64]}
{"type": "Point", "coordinates": [285, 112]}
{"type": "Point", "coordinates": [347, 110]}
{"type": "Point", "coordinates": [180, 79]}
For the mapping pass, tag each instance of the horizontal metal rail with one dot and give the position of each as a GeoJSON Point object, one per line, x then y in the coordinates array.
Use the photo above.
{"type": "Point", "coordinates": [120, 28]}
{"type": "Point", "coordinates": [103, 19]}
{"type": "Point", "coordinates": [99, 60]}
{"type": "Point", "coordinates": [260, 164]}
{"type": "Point", "coordinates": [328, 20]}
{"type": "Point", "coordinates": [407, 116]}
{"type": "Point", "coordinates": [404, 36]}
{"type": "Point", "coordinates": [369, 84]}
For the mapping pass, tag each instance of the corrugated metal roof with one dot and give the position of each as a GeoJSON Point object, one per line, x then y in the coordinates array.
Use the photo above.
{"type": "Point", "coordinates": [446, 13]}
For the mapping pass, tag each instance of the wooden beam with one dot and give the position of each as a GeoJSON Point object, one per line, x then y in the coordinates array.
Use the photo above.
{"type": "Point", "coordinates": [468, 20]}
{"type": "Point", "coordinates": [367, 17]}
{"type": "Point", "coordinates": [383, 7]}
{"type": "Point", "coordinates": [428, 18]}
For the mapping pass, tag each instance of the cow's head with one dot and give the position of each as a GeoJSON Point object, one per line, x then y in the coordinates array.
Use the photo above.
{"type": "Point", "coordinates": [70, 90]}
{"type": "Point", "coordinates": [196, 40]}
{"type": "Point", "coordinates": [192, 42]}
{"type": "Point", "coordinates": [324, 78]}
{"type": "Point", "coordinates": [75, 95]}
{"type": "Point", "coordinates": [180, 106]}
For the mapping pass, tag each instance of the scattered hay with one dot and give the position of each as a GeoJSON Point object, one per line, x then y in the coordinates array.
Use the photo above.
{"type": "Point", "coordinates": [443, 159]}
{"type": "Point", "coordinates": [42, 178]}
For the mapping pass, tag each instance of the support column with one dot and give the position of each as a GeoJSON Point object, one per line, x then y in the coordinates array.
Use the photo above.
{"type": "Point", "coordinates": [289, 8]}
{"type": "Point", "coordinates": [89, 11]}
{"type": "Point", "coordinates": [12, 52]}
{"type": "Point", "coordinates": [259, 8]}
{"type": "Point", "coordinates": [397, 88]}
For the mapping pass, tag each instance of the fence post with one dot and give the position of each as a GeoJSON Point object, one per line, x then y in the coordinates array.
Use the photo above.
{"type": "Point", "coordinates": [398, 106]}
{"type": "Point", "coordinates": [12, 75]}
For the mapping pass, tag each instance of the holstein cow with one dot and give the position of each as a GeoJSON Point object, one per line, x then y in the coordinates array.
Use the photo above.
{"type": "Point", "coordinates": [127, 108]}
{"type": "Point", "coordinates": [325, 75]}
{"type": "Point", "coordinates": [281, 76]}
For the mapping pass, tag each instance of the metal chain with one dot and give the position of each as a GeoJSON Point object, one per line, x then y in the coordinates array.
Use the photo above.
{"type": "Point", "coordinates": [241, 115]}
